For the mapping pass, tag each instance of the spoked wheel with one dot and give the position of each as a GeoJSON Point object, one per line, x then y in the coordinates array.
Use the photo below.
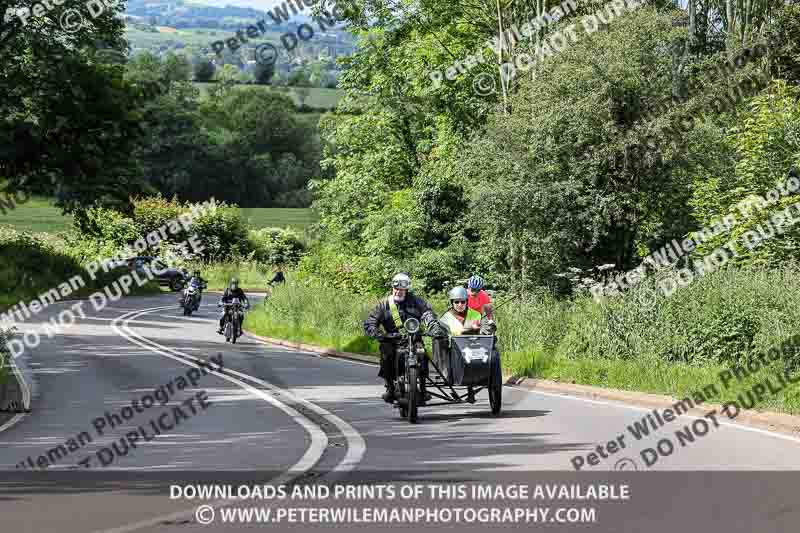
{"type": "Point", "coordinates": [496, 385]}
{"type": "Point", "coordinates": [228, 331]}
{"type": "Point", "coordinates": [413, 394]}
{"type": "Point", "coordinates": [401, 396]}
{"type": "Point", "coordinates": [235, 333]}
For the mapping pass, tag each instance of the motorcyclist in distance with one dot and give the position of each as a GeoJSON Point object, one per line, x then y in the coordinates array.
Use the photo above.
{"type": "Point", "coordinates": [391, 314]}
{"type": "Point", "coordinates": [200, 283]}
{"type": "Point", "coordinates": [279, 277]}
{"type": "Point", "coordinates": [233, 291]}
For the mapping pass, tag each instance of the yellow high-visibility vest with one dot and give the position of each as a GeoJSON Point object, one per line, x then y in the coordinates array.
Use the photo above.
{"type": "Point", "coordinates": [453, 324]}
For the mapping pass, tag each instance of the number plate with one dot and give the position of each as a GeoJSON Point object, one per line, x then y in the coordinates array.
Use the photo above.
{"type": "Point", "coordinates": [476, 354]}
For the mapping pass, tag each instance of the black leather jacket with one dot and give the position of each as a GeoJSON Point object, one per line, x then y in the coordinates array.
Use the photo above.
{"type": "Point", "coordinates": [229, 295]}
{"type": "Point", "coordinates": [412, 306]}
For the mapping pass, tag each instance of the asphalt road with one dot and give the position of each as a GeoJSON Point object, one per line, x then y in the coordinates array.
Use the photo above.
{"type": "Point", "coordinates": [276, 412]}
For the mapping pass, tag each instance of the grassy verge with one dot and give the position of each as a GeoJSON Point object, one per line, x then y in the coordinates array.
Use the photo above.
{"type": "Point", "coordinates": [643, 342]}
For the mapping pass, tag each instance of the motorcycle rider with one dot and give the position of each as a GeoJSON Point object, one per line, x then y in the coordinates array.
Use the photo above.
{"type": "Point", "coordinates": [479, 299]}
{"type": "Point", "coordinates": [461, 319]}
{"type": "Point", "coordinates": [390, 314]}
{"type": "Point", "coordinates": [233, 291]}
{"type": "Point", "coordinates": [278, 278]}
{"type": "Point", "coordinates": [199, 283]}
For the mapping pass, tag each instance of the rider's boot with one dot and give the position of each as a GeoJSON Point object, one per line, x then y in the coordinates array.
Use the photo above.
{"type": "Point", "coordinates": [388, 396]}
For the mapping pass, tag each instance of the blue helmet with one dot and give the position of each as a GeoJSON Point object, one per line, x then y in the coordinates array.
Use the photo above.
{"type": "Point", "coordinates": [475, 283]}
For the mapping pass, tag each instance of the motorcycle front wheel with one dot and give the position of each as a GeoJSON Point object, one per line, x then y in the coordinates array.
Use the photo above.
{"type": "Point", "coordinates": [413, 393]}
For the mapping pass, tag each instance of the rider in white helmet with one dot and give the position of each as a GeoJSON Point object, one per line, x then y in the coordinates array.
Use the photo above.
{"type": "Point", "coordinates": [390, 314]}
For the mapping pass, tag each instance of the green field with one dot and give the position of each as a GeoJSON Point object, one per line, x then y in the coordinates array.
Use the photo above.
{"type": "Point", "coordinates": [191, 37]}
{"type": "Point", "coordinates": [317, 97]}
{"type": "Point", "coordinates": [37, 215]}
{"type": "Point", "coordinates": [279, 217]}
{"type": "Point", "coordinates": [40, 215]}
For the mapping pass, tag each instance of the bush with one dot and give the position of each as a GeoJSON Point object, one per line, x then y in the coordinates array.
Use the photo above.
{"type": "Point", "coordinates": [101, 232]}
{"type": "Point", "coordinates": [275, 246]}
{"type": "Point", "coordinates": [32, 264]}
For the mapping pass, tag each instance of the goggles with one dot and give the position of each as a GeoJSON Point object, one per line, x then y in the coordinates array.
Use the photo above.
{"type": "Point", "coordinates": [401, 284]}
{"type": "Point", "coordinates": [459, 301]}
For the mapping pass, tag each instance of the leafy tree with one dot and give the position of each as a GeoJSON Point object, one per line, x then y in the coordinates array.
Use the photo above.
{"type": "Point", "coordinates": [177, 68]}
{"type": "Point", "coordinates": [299, 78]}
{"type": "Point", "coordinates": [204, 70]}
{"type": "Point", "coordinates": [68, 118]}
{"type": "Point", "coordinates": [263, 73]}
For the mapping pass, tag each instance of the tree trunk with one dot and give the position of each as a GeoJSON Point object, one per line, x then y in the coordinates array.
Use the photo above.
{"type": "Point", "coordinates": [501, 41]}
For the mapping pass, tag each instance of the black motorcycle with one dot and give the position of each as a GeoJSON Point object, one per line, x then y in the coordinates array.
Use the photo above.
{"type": "Point", "coordinates": [463, 365]}
{"type": "Point", "coordinates": [234, 316]}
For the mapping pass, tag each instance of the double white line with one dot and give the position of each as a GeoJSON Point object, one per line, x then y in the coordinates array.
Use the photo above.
{"type": "Point", "coordinates": [356, 446]}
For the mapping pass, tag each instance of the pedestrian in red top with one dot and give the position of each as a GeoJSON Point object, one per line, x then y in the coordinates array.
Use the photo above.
{"type": "Point", "coordinates": [478, 299]}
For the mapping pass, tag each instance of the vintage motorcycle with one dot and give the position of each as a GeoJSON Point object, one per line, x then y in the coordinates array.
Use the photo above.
{"type": "Point", "coordinates": [464, 365]}
{"type": "Point", "coordinates": [234, 316]}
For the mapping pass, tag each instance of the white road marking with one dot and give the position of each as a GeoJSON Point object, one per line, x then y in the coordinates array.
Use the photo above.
{"type": "Point", "coordinates": [319, 440]}
{"type": "Point", "coordinates": [356, 445]}
{"type": "Point", "coordinates": [646, 410]}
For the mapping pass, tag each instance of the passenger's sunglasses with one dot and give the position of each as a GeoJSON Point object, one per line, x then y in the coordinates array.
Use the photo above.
{"type": "Point", "coordinates": [459, 301]}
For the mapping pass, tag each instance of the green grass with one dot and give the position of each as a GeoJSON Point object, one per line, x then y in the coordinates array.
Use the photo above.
{"type": "Point", "coordinates": [279, 217]}
{"type": "Point", "coordinates": [37, 215]}
{"type": "Point", "coordinates": [314, 315]}
{"type": "Point", "coordinates": [317, 97]}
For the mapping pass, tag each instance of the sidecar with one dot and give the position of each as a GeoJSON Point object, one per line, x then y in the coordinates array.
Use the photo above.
{"type": "Point", "coordinates": [470, 362]}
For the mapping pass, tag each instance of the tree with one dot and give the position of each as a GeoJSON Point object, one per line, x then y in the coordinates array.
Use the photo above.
{"type": "Point", "coordinates": [68, 120]}
{"type": "Point", "coordinates": [204, 70]}
{"type": "Point", "coordinates": [176, 68]}
{"type": "Point", "coordinates": [299, 78]}
{"type": "Point", "coordinates": [302, 94]}
{"type": "Point", "coordinates": [263, 73]}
